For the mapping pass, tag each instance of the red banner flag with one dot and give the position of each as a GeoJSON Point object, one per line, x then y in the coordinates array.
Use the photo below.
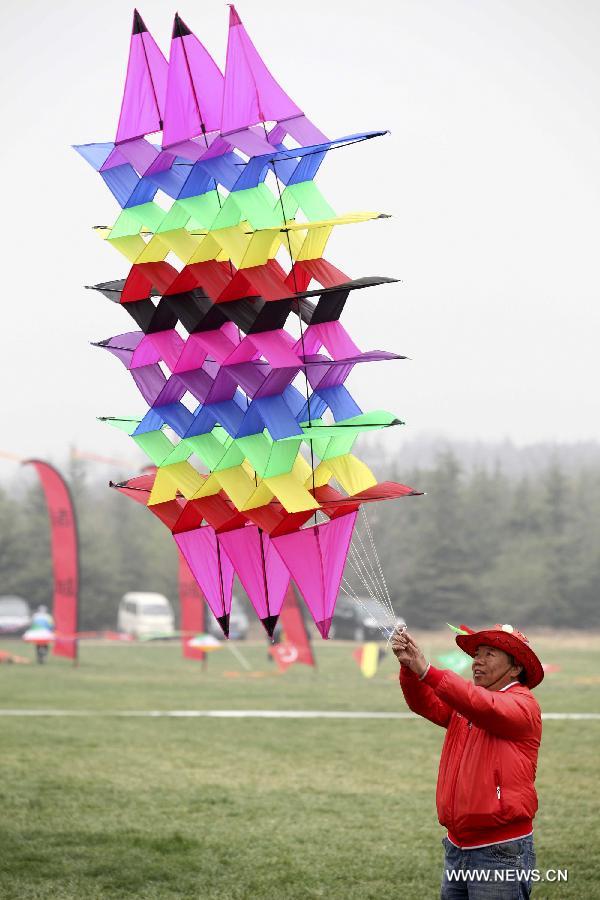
{"type": "Point", "coordinates": [65, 557]}
{"type": "Point", "coordinates": [191, 600]}
{"type": "Point", "coordinates": [295, 646]}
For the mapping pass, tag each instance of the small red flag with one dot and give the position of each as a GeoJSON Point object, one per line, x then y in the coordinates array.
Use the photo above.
{"type": "Point", "coordinates": [295, 647]}
{"type": "Point", "coordinates": [191, 601]}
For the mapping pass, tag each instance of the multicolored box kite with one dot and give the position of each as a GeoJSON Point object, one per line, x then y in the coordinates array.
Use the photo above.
{"type": "Point", "coordinates": [249, 426]}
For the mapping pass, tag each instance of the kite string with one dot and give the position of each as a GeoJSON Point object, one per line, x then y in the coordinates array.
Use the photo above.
{"type": "Point", "coordinates": [356, 541]}
{"type": "Point", "coordinates": [376, 587]}
{"type": "Point", "coordinates": [383, 624]}
{"type": "Point", "coordinates": [369, 561]}
{"type": "Point", "coordinates": [357, 566]}
{"type": "Point", "coordinates": [360, 568]}
{"type": "Point", "coordinates": [347, 589]}
{"type": "Point", "coordinates": [378, 609]}
{"type": "Point", "coordinates": [382, 597]}
{"type": "Point", "coordinates": [358, 594]}
{"type": "Point", "coordinates": [376, 554]}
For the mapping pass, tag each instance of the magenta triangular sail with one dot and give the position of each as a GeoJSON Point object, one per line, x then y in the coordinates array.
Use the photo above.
{"type": "Point", "coordinates": [261, 570]}
{"type": "Point", "coordinates": [251, 93]}
{"type": "Point", "coordinates": [145, 85]}
{"type": "Point", "coordinates": [316, 557]}
{"type": "Point", "coordinates": [211, 568]}
{"type": "Point", "coordinates": [194, 88]}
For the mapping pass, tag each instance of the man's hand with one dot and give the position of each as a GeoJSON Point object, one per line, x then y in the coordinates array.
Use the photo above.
{"type": "Point", "coordinates": [407, 651]}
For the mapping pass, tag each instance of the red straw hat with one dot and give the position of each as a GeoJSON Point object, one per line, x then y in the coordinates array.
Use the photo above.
{"type": "Point", "coordinates": [506, 638]}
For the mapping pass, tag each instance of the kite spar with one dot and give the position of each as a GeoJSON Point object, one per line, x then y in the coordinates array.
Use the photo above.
{"type": "Point", "coordinates": [208, 218]}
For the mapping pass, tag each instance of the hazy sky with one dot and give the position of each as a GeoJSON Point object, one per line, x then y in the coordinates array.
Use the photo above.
{"type": "Point", "coordinates": [491, 173]}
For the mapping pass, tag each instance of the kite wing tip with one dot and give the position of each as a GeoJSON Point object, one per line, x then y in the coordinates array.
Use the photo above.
{"type": "Point", "coordinates": [138, 23]}
{"type": "Point", "coordinates": [234, 18]}
{"type": "Point", "coordinates": [180, 29]}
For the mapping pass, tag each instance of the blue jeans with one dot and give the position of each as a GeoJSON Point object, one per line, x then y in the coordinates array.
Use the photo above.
{"type": "Point", "coordinates": [482, 874]}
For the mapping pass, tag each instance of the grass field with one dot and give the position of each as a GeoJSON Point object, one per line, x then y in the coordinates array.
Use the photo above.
{"type": "Point", "coordinates": [112, 807]}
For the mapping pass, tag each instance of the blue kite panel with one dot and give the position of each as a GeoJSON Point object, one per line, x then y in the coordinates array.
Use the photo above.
{"type": "Point", "coordinates": [144, 192]}
{"type": "Point", "coordinates": [177, 416]}
{"type": "Point", "coordinates": [271, 413]}
{"type": "Point", "coordinates": [340, 402]}
{"type": "Point", "coordinates": [223, 169]}
{"type": "Point", "coordinates": [307, 168]}
{"type": "Point", "coordinates": [198, 181]}
{"type": "Point", "coordinates": [152, 421]}
{"type": "Point", "coordinates": [170, 181]}
{"type": "Point", "coordinates": [95, 154]}
{"type": "Point", "coordinates": [253, 173]}
{"type": "Point", "coordinates": [121, 182]}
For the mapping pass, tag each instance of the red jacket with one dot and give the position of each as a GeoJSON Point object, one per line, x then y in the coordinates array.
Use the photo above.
{"type": "Point", "coordinates": [485, 789]}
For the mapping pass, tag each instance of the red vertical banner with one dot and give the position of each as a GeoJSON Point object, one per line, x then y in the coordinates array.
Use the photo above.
{"type": "Point", "coordinates": [191, 601]}
{"type": "Point", "coordinates": [65, 557]}
{"type": "Point", "coordinates": [295, 646]}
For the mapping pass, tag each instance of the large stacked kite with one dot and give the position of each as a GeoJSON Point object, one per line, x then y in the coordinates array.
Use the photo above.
{"type": "Point", "coordinates": [205, 219]}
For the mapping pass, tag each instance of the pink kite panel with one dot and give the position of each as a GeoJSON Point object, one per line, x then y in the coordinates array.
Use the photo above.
{"type": "Point", "coordinates": [211, 569]}
{"type": "Point", "coordinates": [260, 569]}
{"type": "Point", "coordinates": [194, 88]}
{"type": "Point", "coordinates": [251, 94]}
{"type": "Point", "coordinates": [145, 86]}
{"type": "Point", "coordinates": [316, 557]}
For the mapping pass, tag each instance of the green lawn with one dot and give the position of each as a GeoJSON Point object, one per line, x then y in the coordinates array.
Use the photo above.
{"type": "Point", "coordinates": [108, 807]}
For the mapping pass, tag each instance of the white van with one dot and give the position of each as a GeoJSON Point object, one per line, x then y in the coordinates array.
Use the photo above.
{"type": "Point", "coordinates": [143, 614]}
{"type": "Point", "coordinates": [15, 617]}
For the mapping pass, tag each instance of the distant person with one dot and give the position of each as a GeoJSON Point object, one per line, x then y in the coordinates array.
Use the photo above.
{"type": "Point", "coordinates": [485, 791]}
{"type": "Point", "coordinates": [42, 618]}
{"type": "Point", "coordinates": [42, 623]}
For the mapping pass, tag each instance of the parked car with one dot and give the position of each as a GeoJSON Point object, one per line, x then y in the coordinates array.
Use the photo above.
{"type": "Point", "coordinates": [363, 619]}
{"type": "Point", "coordinates": [15, 615]}
{"type": "Point", "coordinates": [238, 622]}
{"type": "Point", "coordinates": [145, 614]}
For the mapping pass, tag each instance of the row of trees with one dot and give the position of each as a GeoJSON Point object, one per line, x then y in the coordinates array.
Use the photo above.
{"type": "Point", "coordinates": [483, 547]}
{"type": "Point", "coordinates": [480, 546]}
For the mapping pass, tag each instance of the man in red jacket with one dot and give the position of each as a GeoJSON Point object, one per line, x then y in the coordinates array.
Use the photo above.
{"type": "Point", "coordinates": [485, 795]}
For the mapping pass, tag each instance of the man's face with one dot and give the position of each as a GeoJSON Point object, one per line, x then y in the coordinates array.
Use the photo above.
{"type": "Point", "coordinates": [489, 665]}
